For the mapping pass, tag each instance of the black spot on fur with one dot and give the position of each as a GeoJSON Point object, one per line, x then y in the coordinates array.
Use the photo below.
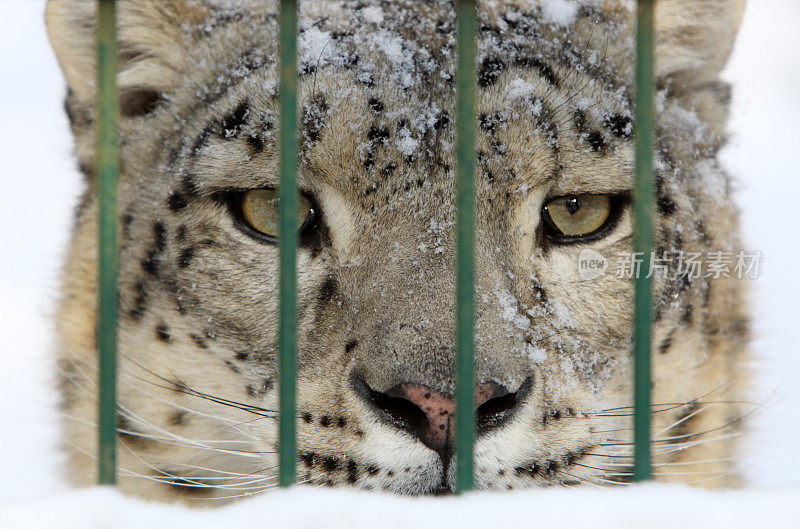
{"type": "Point", "coordinates": [255, 142]}
{"type": "Point", "coordinates": [442, 120]}
{"type": "Point", "coordinates": [160, 237]}
{"type": "Point", "coordinates": [325, 421]}
{"type": "Point", "coordinates": [619, 125]}
{"type": "Point", "coordinates": [530, 470]}
{"type": "Point", "coordinates": [351, 345]}
{"type": "Point", "coordinates": [375, 105]}
{"type": "Point", "coordinates": [230, 365]}
{"type": "Point", "coordinates": [489, 122]}
{"type": "Point", "coordinates": [490, 69]}
{"type": "Point", "coordinates": [139, 302]}
{"type": "Point", "coordinates": [379, 134]}
{"type": "Point", "coordinates": [232, 124]}
{"type": "Point", "coordinates": [241, 356]}
{"type": "Point", "coordinates": [341, 422]}
{"type": "Point", "coordinates": [373, 470]}
{"type": "Point", "coordinates": [352, 475]}
{"type": "Point", "coordinates": [596, 141]}
{"type": "Point", "coordinates": [330, 464]}
{"type": "Point", "coordinates": [665, 205]}
{"type": "Point", "coordinates": [162, 333]}
{"type": "Point", "coordinates": [185, 258]}
{"type": "Point", "coordinates": [176, 201]}
{"type": "Point", "coordinates": [151, 260]}
{"type": "Point", "coordinates": [150, 263]}
{"type": "Point", "coordinates": [307, 459]}
{"type": "Point", "coordinates": [329, 289]}
{"type": "Point", "coordinates": [389, 169]}
{"type": "Point", "coordinates": [198, 341]}
{"type": "Point", "coordinates": [307, 417]}
{"type": "Point", "coordinates": [664, 346]}
{"type": "Point", "coordinates": [138, 102]}
{"type": "Point", "coordinates": [201, 140]}
{"type": "Point", "coordinates": [178, 418]}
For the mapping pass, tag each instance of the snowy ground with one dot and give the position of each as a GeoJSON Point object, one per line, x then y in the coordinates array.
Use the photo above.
{"type": "Point", "coordinates": [636, 508]}
{"type": "Point", "coordinates": [40, 187]}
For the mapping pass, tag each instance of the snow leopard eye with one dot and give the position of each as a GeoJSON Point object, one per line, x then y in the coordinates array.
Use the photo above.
{"type": "Point", "coordinates": [579, 217]}
{"type": "Point", "coordinates": [259, 211]}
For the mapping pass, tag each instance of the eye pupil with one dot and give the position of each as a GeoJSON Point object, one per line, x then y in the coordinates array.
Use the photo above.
{"type": "Point", "coordinates": [573, 205]}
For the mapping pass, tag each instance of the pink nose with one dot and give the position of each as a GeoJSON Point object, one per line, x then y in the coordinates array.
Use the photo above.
{"type": "Point", "coordinates": [440, 410]}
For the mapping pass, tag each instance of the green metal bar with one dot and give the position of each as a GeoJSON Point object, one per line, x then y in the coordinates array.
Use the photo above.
{"type": "Point", "coordinates": [107, 175]}
{"type": "Point", "coordinates": [287, 243]}
{"type": "Point", "coordinates": [466, 77]}
{"type": "Point", "coordinates": [643, 199]}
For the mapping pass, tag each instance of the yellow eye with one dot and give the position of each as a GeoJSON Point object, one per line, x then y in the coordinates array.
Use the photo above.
{"type": "Point", "coordinates": [577, 216]}
{"type": "Point", "coordinates": [260, 210]}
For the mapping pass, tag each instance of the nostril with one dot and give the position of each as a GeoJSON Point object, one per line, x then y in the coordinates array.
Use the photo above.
{"type": "Point", "coordinates": [401, 412]}
{"type": "Point", "coordinates": [494, 410]}
{"type": "Point", "coordinates": [498, 408]}
{"type": "Point", "coordinates": [416, 409]}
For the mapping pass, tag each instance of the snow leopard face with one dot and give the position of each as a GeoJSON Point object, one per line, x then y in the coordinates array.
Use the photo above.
{"type": "Point", "coordinates": [198, 256]}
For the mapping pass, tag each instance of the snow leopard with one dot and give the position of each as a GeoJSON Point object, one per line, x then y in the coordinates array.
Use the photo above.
{"type": "Point", "coordinates": [198, 257]}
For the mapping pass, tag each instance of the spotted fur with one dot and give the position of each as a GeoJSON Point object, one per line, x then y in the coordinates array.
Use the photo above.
{"type": "Point", "coordinates": [198, 295]}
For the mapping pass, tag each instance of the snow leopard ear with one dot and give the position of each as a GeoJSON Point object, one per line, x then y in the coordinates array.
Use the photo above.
{"type": "Point", "coordinates": [695, 37]}
{"type": "Point", "coordinates": [152, 47]}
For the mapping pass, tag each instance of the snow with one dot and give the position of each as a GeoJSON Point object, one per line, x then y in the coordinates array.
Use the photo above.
{"type": "Point", "coordinates": [372, 14]}
{"type": "Point", "coordinates": [535, 354]}
{"type": "Point", "coordinates": [627, 508]}
{"type": "Point", "coordinates": [519, 89]}
{"type": "Point", "coordinates": [41, 187]}
{"type": "Point", "coordinates": [561, 12]}
{"type": "Point", "coordinates": [316, 47]}
{"type": "Point", "coordinates": [406, 144]}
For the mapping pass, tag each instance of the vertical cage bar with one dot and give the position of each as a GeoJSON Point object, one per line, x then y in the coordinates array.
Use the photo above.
{"type": "Point", "coordinates": [287, 242]}
{"type": "Point", "coordinates": [643, 199]}
{"type": "Point", "coordinates": [107, 176]}
{"type": "Point", "coordinates": [466, 76]}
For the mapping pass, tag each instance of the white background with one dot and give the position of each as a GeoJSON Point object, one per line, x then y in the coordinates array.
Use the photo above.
{"type": "Point", "coordinates": [40, 187]}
